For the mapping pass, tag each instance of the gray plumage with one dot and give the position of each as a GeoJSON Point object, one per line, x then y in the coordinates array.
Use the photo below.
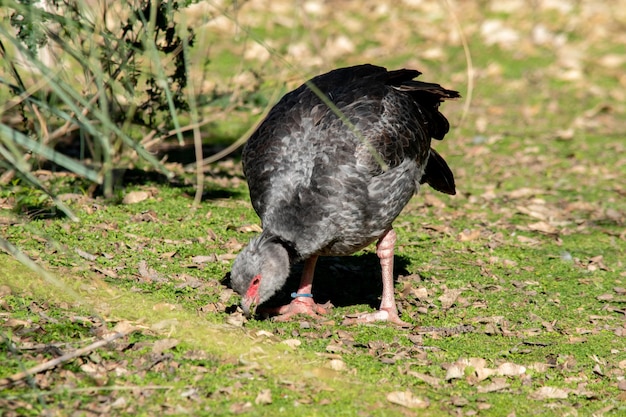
{"type": "Point", "coordinates": [315, 184]}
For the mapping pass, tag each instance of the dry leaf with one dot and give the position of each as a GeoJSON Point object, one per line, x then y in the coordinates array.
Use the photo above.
{"type": "Point", "coordinates": [420, 293]}
{"type": "Point", "coordinates": [337, 365]}
{"type": "Point", "coordinates": [524, 192]}
{"type": "Point", "coordinates": [162, 345]}
{"type": "Point", "coordinates": [484, 373]}
{"type": "Point", "coordinates": [149, 274]}
{"type": "Point", "coordinates": [168, 255]}
{"type": "Point", "coordinates": [605, 297]}
{"type": "Point", "coordinates": [5, 290]}
{"type": "Point", "coordinates": [17, 323]}
{"type": "Point", "coordinates": [547, 393]}
{"type": "Point", "coordinates": [292, 343]}
{"type": "Point", "coordinates": [430, 380]}
{"type": "Point", "coordinates": [124, 327]}
{"type": "Point", "coordinates": [511, 369]}
{"type": "Point", "coordinates": [86, 255]}
{"type": "Point", "coordinates": [248, 228]}
{"type": "Point", "coordinates": [449, 297]}
{"type": "Point", "coordinates": [542, 227]}
{"type": "Point", "coordinates": [468, 235]}
{"type": "Point", "coordinates": [95, 371]}
{"type": "Point", "coordinates": [236, 319]}
{"type": "Point", "coordinates": [135, 197]}
{"type": "Point", "coordinates": [264, 397]}
{"type": "Point", "coordinates": [407, 399]}
{"type": "Point", "coordinates": [497, 385]}
{"type": "Point", "coordinates": [167, 324]}
{"type": "Point", "coordinates": [164, 307]}
{"type": "Point", "coordinates": [226, 256]}
{"type": "Point", "coordinates": [201, 259]}
{"type": "Point", "coordinates": [239, 408]}
{"type": "Point", "coordinates": [455, 371]}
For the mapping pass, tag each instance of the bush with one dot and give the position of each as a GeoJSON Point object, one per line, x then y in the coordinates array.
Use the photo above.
{"type": "Point", "coordinates": [103, 77]}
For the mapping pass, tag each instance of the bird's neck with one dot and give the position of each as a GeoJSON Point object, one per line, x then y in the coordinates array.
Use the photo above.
{"type": "Point", "coordinates": [294, 255]}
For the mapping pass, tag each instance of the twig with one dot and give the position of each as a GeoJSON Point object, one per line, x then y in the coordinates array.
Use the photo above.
{"type": "Point", "coordinates": [62, 359]}
{"type": "Point", "coordinates": [37, 394]}
{"type": "Point", "coordinates": [468, 60]}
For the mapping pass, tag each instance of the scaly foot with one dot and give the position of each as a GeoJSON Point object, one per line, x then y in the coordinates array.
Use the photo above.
{"type": "Point", "coordinates": [388, 315]}
{"type": "Point", "coordinates": [301, 305]}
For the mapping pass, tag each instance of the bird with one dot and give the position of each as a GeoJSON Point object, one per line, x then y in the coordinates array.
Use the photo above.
{"type": "Point", "coordinates": [329, 169]}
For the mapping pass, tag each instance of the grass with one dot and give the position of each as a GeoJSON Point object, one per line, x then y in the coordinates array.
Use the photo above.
{"type": "Point", "coordinates": [524, 266]}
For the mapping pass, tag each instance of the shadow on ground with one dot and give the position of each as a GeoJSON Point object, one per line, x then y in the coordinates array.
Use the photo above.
{"type": "Point", "coordinates": [344, 281]}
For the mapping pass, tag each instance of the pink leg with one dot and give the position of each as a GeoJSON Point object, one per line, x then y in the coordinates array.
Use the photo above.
{"type": "Point", "coordinates": [302, 305]}
{"type": "Point", "coordinates": [387, 310]}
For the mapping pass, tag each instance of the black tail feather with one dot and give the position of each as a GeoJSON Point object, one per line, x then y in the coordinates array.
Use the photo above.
{"type": "Point", "coordinates": [438, 175]}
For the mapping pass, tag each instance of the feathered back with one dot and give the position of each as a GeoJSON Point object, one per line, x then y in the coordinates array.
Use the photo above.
{"type": "Point", "coordinates": [303, 149]}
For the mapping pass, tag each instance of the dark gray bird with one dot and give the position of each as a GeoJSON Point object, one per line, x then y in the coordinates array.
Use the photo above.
{"type": "Point", "coordinates": [331, 183]}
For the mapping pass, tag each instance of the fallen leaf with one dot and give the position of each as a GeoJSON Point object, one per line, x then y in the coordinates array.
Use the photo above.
{"type": "Point", "coordinates": [168, 255]}
{"type": "Point", "coordinates": [469, 235]}
{"type": "Point", "coordinates": [164, 307]}
{"type": "Point", "coordinates": [457, 401]}
{"type": "Point", "coordinates": [455, 371]}
{"type": "Point", "coordinates": [86, 255]}
{"type": "Point", "coordinates": [430, 380]}
{"type": "Point", "coordinates": [337, 365]}
{"type": "Point", "coordinates": [263, 397]}
{"type": "Point", "coordinates": [542, 227]}
{"type": "Point", "coordinates": [162, 345]}
{"type": "Point", "coordinates": [497, 385]}
{"type": "Point", "coordinates": [135, 197]}
{"type": "Point", "coordinates": [528, 240]}
{"type": "Point", "coordinates": [149, 274]}
{"type": "Point", "coordinates": [511, 369]}
{"type": "Point", "coordinates": [547, 393]}
{"type": "Point", "coordinates": [482, 373]}
{"type": "Point", "coordinates": [605, 297]}
{"type": "Point", "coordinates": [17, 323]}
{"type": "Point", "coordinates": [236, 319]}
{"type": "Point", "coordinates": [524, 192]}
{"type": "Point", "coordinates": [119, 403]}
{"type": "Point", "coordinates": [167, 324]}
{"type": "Point", "coordinates": [292, 343]}
{"type": "Point", "coordinates": [201, 259]}
{"type": "Point", "coordinates": [449, 297]}
{"type": "Point", "coordinates": [5, 290]}
{"type": "Point", "coordinates": [226, 256]}
{"type": "Point", "coordinates": [407, 399]}
{"type": "Point", "coordinates": [247, 228]}
{"type": "Point", "coordinates": [239, 408]}
{"type": "Point", "coordinates": [420, 293]}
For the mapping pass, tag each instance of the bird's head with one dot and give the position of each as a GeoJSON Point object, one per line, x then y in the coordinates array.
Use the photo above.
{"type": "Point", "coordinates": [259, 270]}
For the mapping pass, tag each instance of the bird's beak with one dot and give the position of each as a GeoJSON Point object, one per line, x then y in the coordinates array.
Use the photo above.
{"type": "Point", "coordinates": [248, 305]}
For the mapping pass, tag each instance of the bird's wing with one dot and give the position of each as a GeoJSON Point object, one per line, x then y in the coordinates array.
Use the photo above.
{"type": "Point", "coordinates": [306, 167]}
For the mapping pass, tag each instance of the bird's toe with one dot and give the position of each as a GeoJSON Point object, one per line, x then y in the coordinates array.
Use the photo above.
{"type": "Point", "coordinates": [299, 306]}
{"type": "Point", "coordinates": [390, 316]}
